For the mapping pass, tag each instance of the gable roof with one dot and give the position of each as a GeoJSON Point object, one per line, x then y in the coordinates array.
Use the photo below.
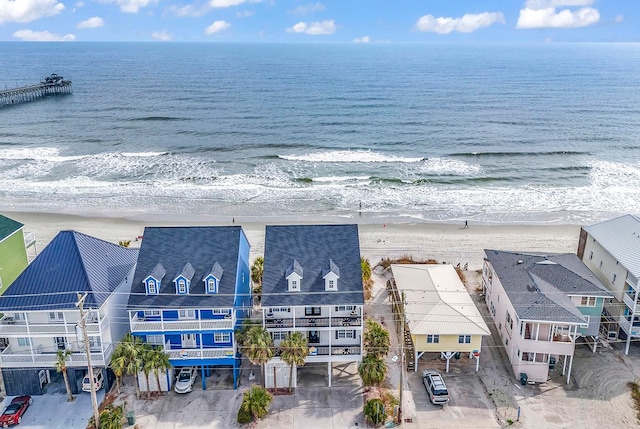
{"type": "Point", "coordinates": [174, 247]}
{"type": "Point", "coordinates": [8, 227]}
{"type": "Point", "coordinates": [72, 262]}
{"type": "Point", "coordinates": [621, 238]}
{"type": "Point", "coordinates": [312, 246]}
{"type": "Point", "coordinates": [436, 301]}
{"type": "Point", "coordinates": [216, 271]}
{"type": "Point", "coordinates": [539, 286]}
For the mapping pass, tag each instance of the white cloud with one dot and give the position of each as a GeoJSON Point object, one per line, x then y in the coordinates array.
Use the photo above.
{"type": "Point", "coordinates": [190, 10]}
{"type": "Point", "coordinates": [619, 18]}
{"type": "Point", "coordinates": [307, 9]}
{"type": "Point", "coordinates": [93, 22]}
{"type": "Point", "coordinates": [163, 36]}
{"type": "Point", "coordinates": [314, 28]}
{"type": "Point", "coordinates": [131, 6]}
{"type": "Point", "coordinates": [229, 3]}
{"type": "Point", "coordinates": [42, 36]}
{"type": "Point", "coordinates": [543, 4]}
{"type": "Point", "coordinates": [245, 14]}
{"type": "Point", "coordinates": [363, 39]}
{"type": "Point", "coordinates": [28, 10]}
{"type": "Point", "coordinates": [468, 23]}
{"type": "Point", "coordinates": [549, 18]}
{"type": "Point", "coordinates": [217, 27]}
{"type": "Point", "coordinates": [80, 4]}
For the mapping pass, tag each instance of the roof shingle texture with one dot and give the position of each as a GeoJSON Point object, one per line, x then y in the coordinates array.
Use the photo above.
{"type": "Point", "coordinates": [173, 247]}
{"type": "Point", "coordinates": [539, 286]}
{"type": "Point", "coordinates": [312, 246]}
{"type": "Point", "coordinates": [72, 262]}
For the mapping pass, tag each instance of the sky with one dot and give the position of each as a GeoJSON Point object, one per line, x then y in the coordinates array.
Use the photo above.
{"type": "Point", "coordinates": [323, 21]}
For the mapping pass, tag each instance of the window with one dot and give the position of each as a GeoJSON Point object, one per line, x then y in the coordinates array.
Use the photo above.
{"type": "Point", "coordinates": [345, 308]}
{"type": "Point", "coordinates": [56, 316]}
{"type": "Point", "coordinates": [464, 339]}
{"type": "Point", "coordinates": [280, 310]}
{"type": "Point", "coordinates": [493, 309]}
{"type": "Point", "coordinates": [294, 284]}
{"type": "Point", "coordinates": [182, 286]}
{"type": "Point", "coordinates": [332, 284]}
{"type": "Point", "coordinates": [613, 280]}
{"type": "Point", "coordinates": [222, 337]}
{"type": "Point", "coordinates": [587, 318]}
{"type": "Point", "coordinates": [591, 255]}
{"type": "Point", "coordinates": [588, 301]}
{"type": "Point", "coordinates": [509, 324]}
{"type": "Point", "coordinates": [211, 286]}
{"type": "Point", "coordinates": [156, 340]}
{"type": "Point", "coordinates": [186, 314]}
{"type": "Point", "coordinates": [152, 286]}
{"type": "Point", "coordinates": [600, 264]}
{"type": "Point", "coordinates": [24, 342]}
{"type": "Point", "coordinates": [279, 335]}
{"type": "Point", "coordinates": [18, 316]}
{"type": "Point", "coordinates": [312, 311]}
{"type": "Point", "coordinates": [151, 313]}
{"type": "Point", "coordinates": [345, 333]}
{"type": "Point", "coordinates": [94, 343]}
{"type": "Point", "coordinates": [221, 311]}
{"type": "Point", "coordinates": [433, 339]}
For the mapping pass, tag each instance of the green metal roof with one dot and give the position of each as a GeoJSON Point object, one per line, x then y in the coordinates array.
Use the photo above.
{"type": "Point", "coordinates": [8, 227]}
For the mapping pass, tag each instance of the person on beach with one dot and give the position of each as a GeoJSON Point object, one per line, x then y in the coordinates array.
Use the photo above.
{"type": "Point", "coordinates": [466, 224]}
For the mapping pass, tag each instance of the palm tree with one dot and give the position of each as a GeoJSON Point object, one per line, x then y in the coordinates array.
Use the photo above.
{"type": "Point", "coordinates": [160, 363]}
{"type": "Point", "coordinates": [372, 370]}
{"type": "Point", "coordinates": [257, 269]}
{"type": "Point", "coordinates": [119, 367]}
{"type": "Point", "coordinates": [367, 282]}
{"type": "Point", "coordinates": [376, 339]}
{"type": "Point", "coordinates": [294, 351]}
{"type": "Point", "coordinates": [132, 347]}
{"type": "Point", "coordinates": [256, 401]}
{"type": "Point", "coordinates": [258, 346]}
{"type": "Point", "coordinates": [148, 365]}
{"type": "Point", "coordinates": [61, 366]}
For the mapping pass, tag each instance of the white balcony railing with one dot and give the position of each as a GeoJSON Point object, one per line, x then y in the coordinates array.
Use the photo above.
{"type": "Point", "coordinates": [9, 359]}
{"type": "Point", "coordinates": [199, 353]}
{"type": "Point", "coordinates": [20, 328]}
{"type": "Point", "coordinates": [142, 325]}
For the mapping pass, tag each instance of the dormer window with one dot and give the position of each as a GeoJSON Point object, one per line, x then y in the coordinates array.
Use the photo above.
{"type": "Point", "coordinates": [212, 278]}
{"type": "Point", "coordinates": [294, 276]}
{"type": "Point", "coordinates": [331, 275]}
{"type": "Point", "coordinates": [153, 280]}
{"type": "Point", "coordinates": [183, 279]}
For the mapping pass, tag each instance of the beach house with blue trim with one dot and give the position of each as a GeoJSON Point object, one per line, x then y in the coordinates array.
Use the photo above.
{"type": "Point", "coordinates": [40, 315]}
{"type": "Point", "coordinates": [312, 283]}
{"type": "Point", "coordinates": [190, 291]}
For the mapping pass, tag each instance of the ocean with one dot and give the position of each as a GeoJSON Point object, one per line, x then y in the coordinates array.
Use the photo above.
{"type": "Point", "coordinates": [490, 133]}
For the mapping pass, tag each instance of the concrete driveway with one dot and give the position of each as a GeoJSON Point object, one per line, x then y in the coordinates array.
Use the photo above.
{"type": "Point", "coordinates": [52, 411]}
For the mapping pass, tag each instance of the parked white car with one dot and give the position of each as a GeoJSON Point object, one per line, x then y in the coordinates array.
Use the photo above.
{"type": "Point", "coordinates": [97, 380]}
{"type": "Point", "coordinates": [185, 381]}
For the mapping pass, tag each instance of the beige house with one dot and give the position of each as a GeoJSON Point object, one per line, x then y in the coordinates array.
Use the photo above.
{"type": "Point", "coordinates": [439, 312]}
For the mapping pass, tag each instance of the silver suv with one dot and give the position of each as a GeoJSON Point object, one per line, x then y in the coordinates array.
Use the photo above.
{"type": "Point", "coordinates": [437, 390]}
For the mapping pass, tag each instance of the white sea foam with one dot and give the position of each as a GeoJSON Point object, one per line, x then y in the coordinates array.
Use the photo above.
{"type": "Point", "coordinates": [48, 154]}
{"type": "Point", "coordinates": [340, 179]}
{"type": "Point", "coordinates": [142, 154]}
{"type": "Point", "coordinates": [449, 166]}
{"type": "Point", "coordinates": [343, 156]}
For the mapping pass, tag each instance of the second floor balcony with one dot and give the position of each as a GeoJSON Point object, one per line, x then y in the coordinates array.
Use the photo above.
{"type": "Point", "coordinates": [10, 327]}
{"type": "Point", "coordinates": [10, 358]}
{"type": "Point", "coordinates": [142, 324]}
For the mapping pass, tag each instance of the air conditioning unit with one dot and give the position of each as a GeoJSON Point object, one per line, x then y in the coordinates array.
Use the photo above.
{"type": "Point", "coordinates": [612, 335]}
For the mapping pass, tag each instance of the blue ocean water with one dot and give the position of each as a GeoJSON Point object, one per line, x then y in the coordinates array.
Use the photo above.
{"type": "Point", "coordinates": [491, 133]}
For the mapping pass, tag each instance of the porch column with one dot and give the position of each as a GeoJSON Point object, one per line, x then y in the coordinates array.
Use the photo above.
{"type": "Point", "coordinates": [415, 363]}
{"type": "Point", "coordinates": [477, 362]}
{"type": "Point", "coordinates": [626, 348]}
{"type": "Point", "coordinates": [595, 343]}
{"type": "Point", "coordinates": [204, 380]}
{"type": "Point", "coordinates": [564, 364]}
{"type": "Point", "coordinates": [538, 331]}
{"type": "Point", "coordinates": [329, 372]}
{"type": "Point", "coordinates": [569, 372]}
{"type": "Point", "coordinates": [447, 356]}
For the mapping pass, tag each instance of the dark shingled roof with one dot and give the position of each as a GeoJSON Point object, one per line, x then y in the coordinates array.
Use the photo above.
{"type": "Point", "coordinates": [187, 272]}
{"type": "Point", "coordinates": [312, 246]}
{"type": "Point", "coordinates": [333, 268]}
{"type": "Point", "coordinates": [174, 247]}
{"type": "Point", "coordinates": [71, 263]}
{"type": "Point", "coordinates": [539, 285]}
{"type": "Point", "coordinates": [216, 271]}
{"type": "Point", "coordinates": [8, 227]}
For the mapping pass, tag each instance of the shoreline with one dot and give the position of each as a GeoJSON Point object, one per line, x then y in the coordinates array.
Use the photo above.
{"type": "Point", "coordinates": [443, 241]}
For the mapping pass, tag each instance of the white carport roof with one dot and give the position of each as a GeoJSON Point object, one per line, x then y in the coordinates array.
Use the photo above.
{"type": "Point", "coordinates": [436, 301]}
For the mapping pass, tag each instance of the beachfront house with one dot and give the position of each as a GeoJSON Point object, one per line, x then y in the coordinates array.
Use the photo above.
{"type": "Point", "coordinates": [41, 317]}
{"type": "Point", "coordinates": [439, 313]}
{"type": "Point", "coordinates": [611, 250]}
{"type": "Point", "coordinates": [14, 243]}
{"type": "Point", "coordinates": [190, 291]}
{"type": "Point", "coordinates": [540, 305]}
{"type": "Point", "coordinates": [312, 283]}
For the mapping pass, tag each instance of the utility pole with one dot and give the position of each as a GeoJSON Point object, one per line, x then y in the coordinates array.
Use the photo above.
{"type": "Point", "coordinates": [402, 316]}
{"type": "Point", "coordinates": [85, 337]}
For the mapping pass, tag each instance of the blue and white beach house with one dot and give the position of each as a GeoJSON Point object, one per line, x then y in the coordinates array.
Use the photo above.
{"type": "Point", "coordinates": [41, 317]}
{"type": "Point", "coordinates": [190, 291]}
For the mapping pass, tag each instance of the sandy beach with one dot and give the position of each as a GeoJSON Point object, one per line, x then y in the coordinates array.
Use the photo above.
{"type": "Point", "coordinates": [441, 241]}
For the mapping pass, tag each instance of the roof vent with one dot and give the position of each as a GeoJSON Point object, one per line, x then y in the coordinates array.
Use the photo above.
{"type": "Point", "coordinates": [520, 261]}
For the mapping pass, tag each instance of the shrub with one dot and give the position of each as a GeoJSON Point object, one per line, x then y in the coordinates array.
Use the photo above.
{"type": "Point", "coordinates": [244, 416]}
{"type": "Point", "coordinates": [374, 412]}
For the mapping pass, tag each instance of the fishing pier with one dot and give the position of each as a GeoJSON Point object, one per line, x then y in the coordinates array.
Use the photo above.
{"type": "Point", "coordinates": [51, 85]}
